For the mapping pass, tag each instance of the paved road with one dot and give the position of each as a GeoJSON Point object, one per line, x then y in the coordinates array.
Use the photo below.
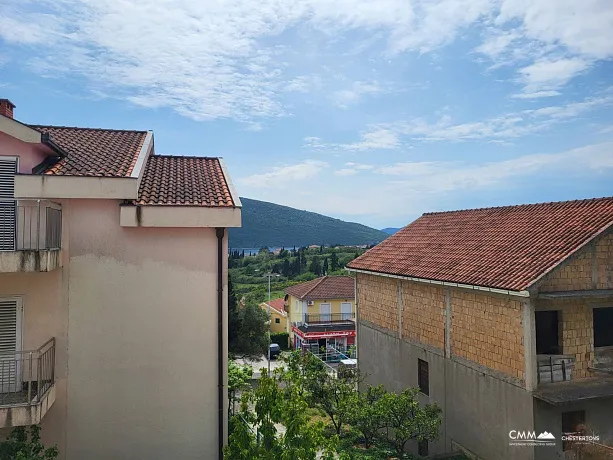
{"type": "Point", "coordinates": [260, 363]}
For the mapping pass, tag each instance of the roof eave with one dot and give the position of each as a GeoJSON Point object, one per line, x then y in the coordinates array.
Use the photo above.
{"type": "Point", "coordinates": [522, 293]}
{"type": "Point", "coordinates": [233, 193]}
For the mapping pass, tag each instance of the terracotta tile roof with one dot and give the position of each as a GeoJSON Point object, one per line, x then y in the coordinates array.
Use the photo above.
{"type": "Point", "coordinates": [94, 152]}
{"type": "Point", "coordinates": [278, 305]}
{"type": "Point", "coordinates": [326, 287]}
{"type": "Point", "coordinates": [187, 181]}
{"type": "Point", "coordinates": [506, 248]}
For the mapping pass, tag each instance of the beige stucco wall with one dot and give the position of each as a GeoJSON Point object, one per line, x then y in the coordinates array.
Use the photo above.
{"type": "Point", "coordinates": [143, 346]}
{"type": "Point", "coordinates": [44, 316]}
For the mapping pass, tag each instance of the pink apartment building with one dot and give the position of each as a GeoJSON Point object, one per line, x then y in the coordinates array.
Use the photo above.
{"type": "Point", "coordinates": [113, 292]}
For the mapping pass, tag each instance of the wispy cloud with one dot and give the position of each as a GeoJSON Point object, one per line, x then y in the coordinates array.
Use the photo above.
{"type": "Point", "coordinates": [279, 176]}
{"type": "Point", "coordinates": [345, 172]}
{"type": "Point", "coordinates": [496, 129]}
{"type": "Point", "coordinates": [347, 97]}
{"type": "Point", "coordinates": [449, 176]}
{"type": "Point", "coordinates": [549, 75]}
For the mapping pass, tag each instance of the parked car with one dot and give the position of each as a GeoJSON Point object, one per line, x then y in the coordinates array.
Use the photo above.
{"type": "Point", "coordinates": [275, 350]}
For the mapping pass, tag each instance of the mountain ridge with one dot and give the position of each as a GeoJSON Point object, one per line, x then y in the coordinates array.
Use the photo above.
{"type": "Point", "coordinates": [271, 224]}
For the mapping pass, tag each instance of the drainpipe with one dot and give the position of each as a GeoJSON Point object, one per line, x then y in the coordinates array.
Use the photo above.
{"type": "Point", "coordinates": [220, 360]}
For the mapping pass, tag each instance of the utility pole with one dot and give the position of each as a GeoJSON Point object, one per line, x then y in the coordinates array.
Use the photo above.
{"type": "Point", "coordinates": [269, 276]}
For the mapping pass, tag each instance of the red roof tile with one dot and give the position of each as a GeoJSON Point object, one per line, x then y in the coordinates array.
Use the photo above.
{"type": "Point", "coordinates": [187, 181]}
{"type": "Point", "coordinates": [326, 287]}
{"type": "Point", "coordinates": [506, 248]}
{"type": "Point", "coordinates": [94, 152]}
{"type": "Point", "coordinates": [278, 305]}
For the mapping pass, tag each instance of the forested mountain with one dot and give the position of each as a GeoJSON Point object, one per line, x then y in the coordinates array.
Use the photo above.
{"type": "Point", "coordinates": [269, 224]}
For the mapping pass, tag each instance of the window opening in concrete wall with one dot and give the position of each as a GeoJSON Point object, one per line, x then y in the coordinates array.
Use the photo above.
{"type": "Point", "coordinates": [572, 422]}
{"type": "Point", "coordinates": [422, 448]}
{"type": "Point", "coordinates": [547, 332]}
{"type": "Point", "coordinates": [603, 327]}
{"type": "Point", "coordinates": [423, 377]}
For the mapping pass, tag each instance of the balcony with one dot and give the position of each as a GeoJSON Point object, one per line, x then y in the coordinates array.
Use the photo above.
{"type": "Point", "coordinates": [329, 318]}
{"type": "Point", "coordinates": [30, 236]}
{"type": "Point", "coordinates": [27, 385]}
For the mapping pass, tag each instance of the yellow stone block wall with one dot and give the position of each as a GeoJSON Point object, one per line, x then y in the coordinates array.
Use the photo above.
{"type": "Point", "coordinates": [488, 330]}
{"type": "Point", "coordinates": [423, 316]}
{"type": "Point", "coordinates": [577, 274]}
{"type": "Point", "coordinates": [378, 301]}
{"type": "Point", "coordinates": [576, 332]}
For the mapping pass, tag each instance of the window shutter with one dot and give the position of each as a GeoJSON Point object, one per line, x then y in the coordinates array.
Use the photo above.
{"type": "Point", "coordinates": [8, 168]}
{"type": "Point", "coordinates": [9, 340]}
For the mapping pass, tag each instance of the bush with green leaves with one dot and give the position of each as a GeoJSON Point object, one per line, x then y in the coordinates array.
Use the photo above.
{"type": "Point", "coordinates": [238, 381]}
{"type": "Point", "coordinates": [25, 444]}
{"type": "Point", "coordinates": [281, 338]}
{"type": "Point", "coordinates": [254, 429]}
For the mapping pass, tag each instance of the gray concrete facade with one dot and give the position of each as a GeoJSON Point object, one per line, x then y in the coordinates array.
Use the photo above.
{"type": "Point", "coordinates": [479, 410]}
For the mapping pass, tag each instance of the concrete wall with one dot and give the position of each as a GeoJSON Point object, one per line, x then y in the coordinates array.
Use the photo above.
{"type": "Point", "coordinates": [478, 410]}
{"type": "Point", "coordinates": [143, 341]}
{"type": "Point", "coordinates": [597, 421]}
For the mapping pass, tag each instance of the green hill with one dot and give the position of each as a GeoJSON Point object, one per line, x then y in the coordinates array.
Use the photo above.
{"type": "Point", "coordinates": [269, 224]}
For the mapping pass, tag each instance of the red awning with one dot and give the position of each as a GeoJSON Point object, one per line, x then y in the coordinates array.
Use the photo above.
{"type": "Point", "coordinates": [322, 335]}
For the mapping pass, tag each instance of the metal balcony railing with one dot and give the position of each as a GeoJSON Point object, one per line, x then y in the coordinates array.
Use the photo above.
{"type": "Point", "coordinates": [26, 376]}
{"type": "Point", "coordinates": [329, 318]}
{"type": "Point", "coordinates": [30, 225]}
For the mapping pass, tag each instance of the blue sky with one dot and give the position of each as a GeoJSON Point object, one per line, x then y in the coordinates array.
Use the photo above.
{"type": "Point", "coordinates": [372, 112]}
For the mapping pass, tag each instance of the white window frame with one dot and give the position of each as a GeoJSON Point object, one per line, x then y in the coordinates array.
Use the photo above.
{"type": "Point", "coordinates": [18, 339]}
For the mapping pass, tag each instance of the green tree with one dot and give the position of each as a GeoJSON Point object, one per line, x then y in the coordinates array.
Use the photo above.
{"type": "Point", "coordinates": [238, 380]}
{"type": "Point", "coordinates": [252, 332]}
{"type": "Point", "coordinates": [334, 261]}
{"type": "Point", "coordinates": [367, 413]}
{"type": "Point", "coordinates": [233, 314]}
{"type": "Point", "coordinates": [286, 269]}
{"type": "Point", "coordinates": [25, 445]}
{"type": "Point", "coordinates": [324, 390]}
{"type": "Point", "coordinates": [406, 419]}
{"type": "Point", "coordinates": [272, 406]}
{"type": "Point", "coordinates": [315, 266]}
{"type": "Point", "coordinates": [324, 269]}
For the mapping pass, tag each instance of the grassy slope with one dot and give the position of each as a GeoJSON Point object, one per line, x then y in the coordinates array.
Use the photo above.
{"type": "Point", "coordinates": [269, 224]}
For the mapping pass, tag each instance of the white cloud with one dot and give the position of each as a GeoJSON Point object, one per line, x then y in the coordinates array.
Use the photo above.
{"type": "Point", "coordinates": [536, 94]}
{"type": "Point", "coordinates": [549, 75]}
{"type": "Point", "coordinates": [554, 41]}
{"type": "Point", "coordinates": [430, 177]}
{"type": "Point", "coordinates": [279, 176]}
{"type": "Point", "coordinates": [382, 197]}
{"type": "Point", "coordinates": [378, 138]}
{"type": "Point", "coordinates": [232, 59]}
{"type": "Point", "coordinates": [303, 84]}
{"type": "Point", "coordinates": [359, 166]}
{"type": "Point", "coordinates": [345, 172]}
{"type": "Point", "coordinates": [346, 97]}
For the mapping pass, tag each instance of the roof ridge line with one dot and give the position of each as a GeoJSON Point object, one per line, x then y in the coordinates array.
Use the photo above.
{"type": "Point", "coordinates": [90, 129]}
{"type": "Point", "coordinates": [164, 155]}
{"type": "Point", "coordinates": [523, 205]}
{"type": "Point", "coordinates": [315, 285]}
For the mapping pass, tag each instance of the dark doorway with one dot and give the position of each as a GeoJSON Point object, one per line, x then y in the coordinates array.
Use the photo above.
{"type": "Point", "coordinates": [547, 338]}
{"type": "Point", "coordinates": [572, 423]}
{"type": "Point", "coordinates": [603, 327]}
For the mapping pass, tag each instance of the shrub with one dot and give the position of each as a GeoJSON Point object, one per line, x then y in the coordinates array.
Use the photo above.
{"type": "Point", "coordinates": [282, 338]}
